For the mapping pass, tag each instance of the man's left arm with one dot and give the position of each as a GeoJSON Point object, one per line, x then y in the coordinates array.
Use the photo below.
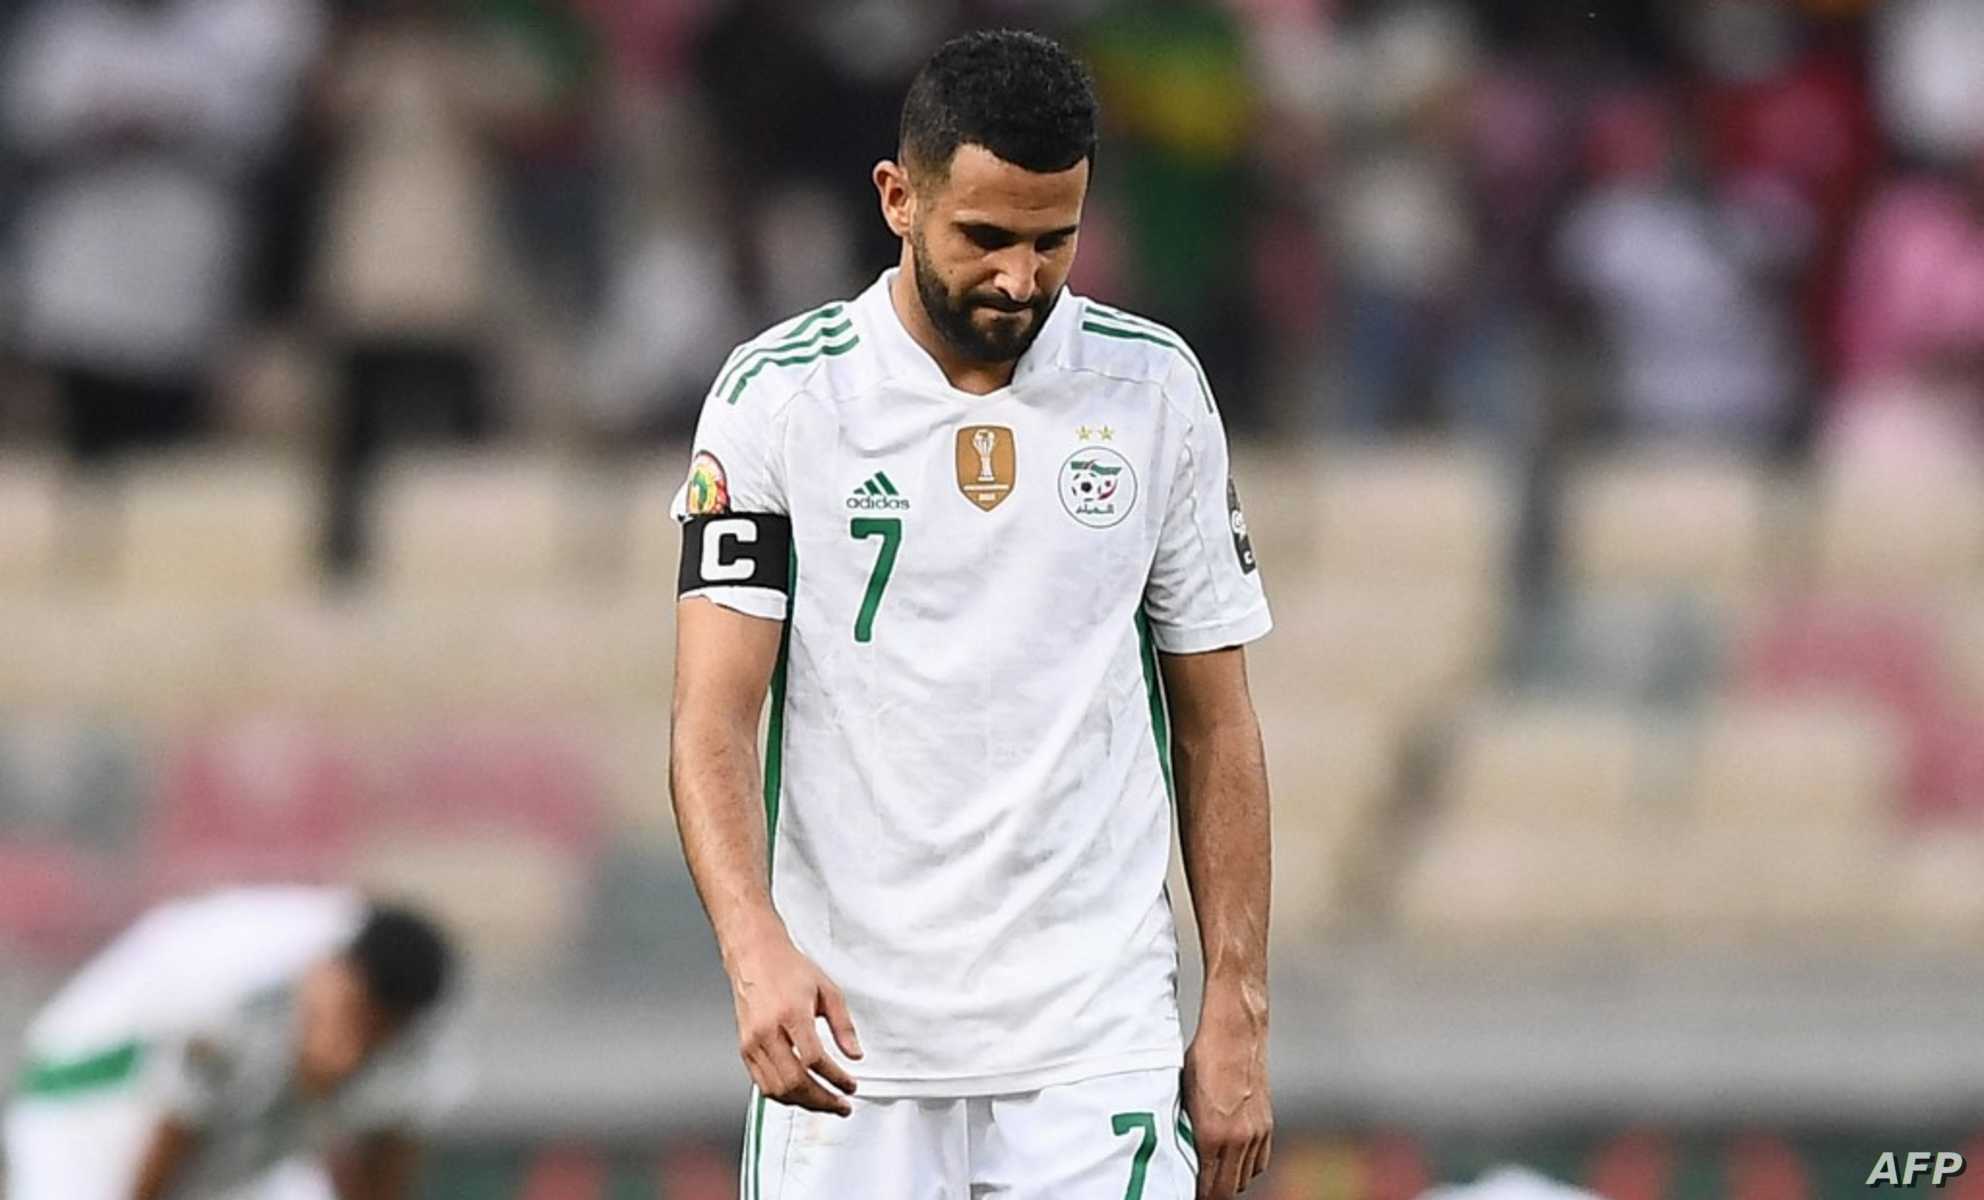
{"type": "Point", "coordinates": [381, 1165]}
{"type": "Point", "coordinates": [1220, 778]}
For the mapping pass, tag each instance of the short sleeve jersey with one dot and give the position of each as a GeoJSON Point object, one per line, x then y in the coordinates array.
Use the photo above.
{"type": "Point", "coordinates": [194, 1010]}
{"type": "Point", "coordinates": [966, 776]}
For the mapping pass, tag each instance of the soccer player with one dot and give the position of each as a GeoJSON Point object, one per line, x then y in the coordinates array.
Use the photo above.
{"type": "Point", "coordinates": [976, 535]}
{"type": "Point", "coordinates": [222, 1045]}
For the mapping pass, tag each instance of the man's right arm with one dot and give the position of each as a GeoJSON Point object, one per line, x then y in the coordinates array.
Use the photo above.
{"type": "Point", "coordinates": [723, 667]}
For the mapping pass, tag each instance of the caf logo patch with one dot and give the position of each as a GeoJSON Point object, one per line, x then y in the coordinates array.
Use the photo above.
{"type": "Point", "coordinates": [1236, 520]}
{"type": "Point", "coordinates": [707, 491]}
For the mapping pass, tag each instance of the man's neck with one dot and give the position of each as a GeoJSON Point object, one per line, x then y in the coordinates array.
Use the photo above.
{"type": "Point", "coordinates": [964, 374]}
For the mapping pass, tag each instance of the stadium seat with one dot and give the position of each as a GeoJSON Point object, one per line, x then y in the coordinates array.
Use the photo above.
{"type": "Point", "coordinates": [527, 653]}
{"type": "Point", "coordinates": [1661, 523]}
{"type": "Point", "coordinates": [1887, 653]}
{"type": "Point", "coordinates": [1539, 888]}
{"type": "Point", "coordinates": [529, 776]}
{"type": "Point", "coordinates": [1655, 648]}
{"type": "Point", "coordinates": [654, 541]}
{"type": "Point", "coordinates": [1960, 642]}
{"type": "Point", "coordinates": [1414, 514]}
{"type": "Point", "coordinates": [454, 527]}
{"type": "Point", "coordinates": [633, 756]}
{"type": "Point", "coordinates": [140, 660]}
{"type": "Point", "coordinates": [173, 662]}
{"type": "Point", "coordinates": [1938, 889]}
{"type": "Point", "coordinates": [1800, 888]}
{"type": "Point", "coordinates": [1543, 766]}
{"type": "Point", "coordinates": [310, 658]}
{"type": "Point", "coordinates": [218, 527]}
{"type": "Point", "coordinates": [263, 798]}
{"type": "Point", "coordinates": [515, 900]}
{"type": "Point", "coordinates": [1946, 769]}
{"type": "Point", "coordinates": [1539, 834]}
{"type": "Point", "coordinates": [53, 656]}
{"type": "Point", "coordinates": [1333, 768]}
{"type": "Point", "coordinates": [1823, 764]}
{"type": "Point", "coordinates": [59, 900]}
{"type": "Point", "coordinates": [1788, 830]}
{"type": "Point", "coordinates": [1405, 652]}
{"type": "Point", "coordinates": [1891, 655]}
{"type": "Point", "coordinates": [1898, 504]}
{"type": "Point", "coordinates": [30, 523]}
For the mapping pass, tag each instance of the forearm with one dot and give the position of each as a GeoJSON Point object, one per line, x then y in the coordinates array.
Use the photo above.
{"type": "Point", "coordinates": [718, 809]}
{"type": "Point", "coordinates": [1222, 796]}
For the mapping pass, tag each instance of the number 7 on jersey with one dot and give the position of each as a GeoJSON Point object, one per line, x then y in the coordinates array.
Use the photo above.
{"type": "Point", "coordinates": [889, 529]}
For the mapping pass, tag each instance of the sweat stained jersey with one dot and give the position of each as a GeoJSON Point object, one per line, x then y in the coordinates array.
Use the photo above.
{"type": "Point", "coordinates": [966, 777]}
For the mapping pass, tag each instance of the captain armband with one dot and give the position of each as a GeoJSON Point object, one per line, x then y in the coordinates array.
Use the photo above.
{"type": "Point", "coordinates": [749, 550]}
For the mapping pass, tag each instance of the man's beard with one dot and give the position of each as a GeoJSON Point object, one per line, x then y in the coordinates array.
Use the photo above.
{"type": "Point", "coordinates": [1002, 343]}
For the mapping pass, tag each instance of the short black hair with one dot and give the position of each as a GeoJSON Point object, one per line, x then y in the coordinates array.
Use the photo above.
{"type": "Point", "coordinates": [1017, 94]}
{"type": "Point", "coordinates": [403, 957]}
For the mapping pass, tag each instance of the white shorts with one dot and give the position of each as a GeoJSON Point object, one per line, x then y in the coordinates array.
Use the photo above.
{"type": "Point", "coordinates": [1114, 1137]}
{"type": "Point", "coordinates": [91, 1147]}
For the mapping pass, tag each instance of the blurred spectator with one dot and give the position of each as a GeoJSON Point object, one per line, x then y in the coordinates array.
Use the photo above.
{"type": "Point", "coordinates": [408, 269]}
{"type": "Point", "coordinates": [140, 122]}
{"type": "Point", "coordinates": [555, 176]}
{"type": "Point", "coordinates": [1404, 236]}
{"type": "Point", "coordinates": [1914, 300]}
{"type": "Point", "coordinates": [1682, 285]}
{"type": "Point", "coordinates": [672, 308]}
{"type": "Point", "coordinates": [1932, 94]}
{"type": "Point", "coordinates": [1911, 319]}
{"type": "Point", "coordinates": [1791, 138]}
{"type": "Point", "coordinates": [1180, 108]}
{"type": "Point", "coordinates": [804, 99]}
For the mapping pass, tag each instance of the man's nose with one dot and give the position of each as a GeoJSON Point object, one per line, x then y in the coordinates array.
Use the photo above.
{"type": "Point", "coordinates": [1018, 267]}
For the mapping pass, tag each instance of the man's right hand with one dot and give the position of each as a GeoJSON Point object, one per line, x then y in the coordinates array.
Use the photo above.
{"type": "Point", "coordinates": [779, 993]}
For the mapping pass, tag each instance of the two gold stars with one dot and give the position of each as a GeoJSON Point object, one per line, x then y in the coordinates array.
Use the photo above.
{"type": "Point", "coordinates": [1101, 433]}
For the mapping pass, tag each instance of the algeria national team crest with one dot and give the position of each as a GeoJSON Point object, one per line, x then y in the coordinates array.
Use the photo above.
{"type": "Point", "coordinates": [1098, 487]}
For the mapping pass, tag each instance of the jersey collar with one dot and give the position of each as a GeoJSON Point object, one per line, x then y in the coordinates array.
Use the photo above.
{"type": "Point", "coordinates": [903, 359]}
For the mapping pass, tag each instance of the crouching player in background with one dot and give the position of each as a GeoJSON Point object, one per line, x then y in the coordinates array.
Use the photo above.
{"type": "Point", "coordinates": [232, 1047]}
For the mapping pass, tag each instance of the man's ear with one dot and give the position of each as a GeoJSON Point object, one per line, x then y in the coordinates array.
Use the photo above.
{"type": "Point", "coordinates": [897, 197]}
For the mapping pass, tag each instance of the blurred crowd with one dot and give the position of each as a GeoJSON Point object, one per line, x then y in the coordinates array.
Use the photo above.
{"type": "Point", "coordinates": [349, 224]}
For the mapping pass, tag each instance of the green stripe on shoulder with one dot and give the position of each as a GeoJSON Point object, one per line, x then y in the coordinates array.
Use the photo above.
{"type": "Point", "coordinates": [1108, 322]}
{"type": "Point", "coordinates": [813, 348]}
{"type": "Point", "coordinates": [807, 320]}
{"type": "Point", "coordinates": [758, 351]}
{"type": "Point", "coordinates": [69, 1076]}
{"type": "Point", "coordinates": [794, 333]}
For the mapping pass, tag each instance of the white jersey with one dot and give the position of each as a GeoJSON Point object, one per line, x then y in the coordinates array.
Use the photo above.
{"type": "Point", "coordinates": [967, 774]}
{"type": "Point", "coordinates": [191, 1014]}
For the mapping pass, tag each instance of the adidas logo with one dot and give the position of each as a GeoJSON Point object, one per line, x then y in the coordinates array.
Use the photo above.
{"type": "Point", "coordinates": [877, 492]}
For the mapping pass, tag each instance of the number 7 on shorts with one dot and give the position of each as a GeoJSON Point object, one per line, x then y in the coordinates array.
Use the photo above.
{"type": "Point", "coordinates": [1128, 1122]}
